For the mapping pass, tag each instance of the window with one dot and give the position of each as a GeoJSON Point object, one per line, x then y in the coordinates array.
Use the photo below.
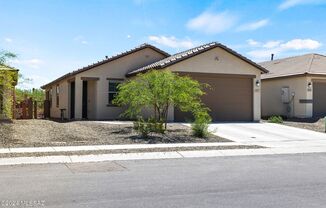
{"type": "Point", "coordinates": [57, 91]}
{"type": "Point", "coordinates": [1, 99]}
{"type": "Point", "coordinates": [113, 89]}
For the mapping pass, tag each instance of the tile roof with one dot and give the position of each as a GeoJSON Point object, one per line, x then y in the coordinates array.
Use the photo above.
{"type": "Point", "coordinates": [106, 60]}
{"type": "Point", "coordinates": [314, 64]}
{"type": "Point", "coordinates": [190, 53]}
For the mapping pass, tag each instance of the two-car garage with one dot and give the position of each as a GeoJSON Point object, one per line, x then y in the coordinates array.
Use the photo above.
{"type": "Point", "coordinates": [234, 92]}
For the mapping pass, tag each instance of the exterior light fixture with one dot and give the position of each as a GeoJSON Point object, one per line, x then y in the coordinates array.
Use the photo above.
{"type": "Point", "coordinates": [257, 83]}
{"type": "Point", "coordinates": [216, 58]}
{"type": "Point", "coordinates": [309, 86]}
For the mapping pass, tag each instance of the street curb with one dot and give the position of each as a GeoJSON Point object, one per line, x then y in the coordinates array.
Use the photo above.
{"type": "Point", "coordinates": [112, 147]}
{"type": "Point", "coordinates": [152, 156]}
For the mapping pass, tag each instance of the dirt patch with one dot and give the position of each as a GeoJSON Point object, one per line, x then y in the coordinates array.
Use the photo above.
{"type": "Point", "coordinates": [170, 149]}
{"type": "Point", "coordinates": [40, 133]}
{"type": "Point", "coordinates": [315, 124]}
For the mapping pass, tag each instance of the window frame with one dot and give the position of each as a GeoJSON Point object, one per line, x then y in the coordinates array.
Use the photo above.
{"type": "Point", "coordinates": [116, 81]}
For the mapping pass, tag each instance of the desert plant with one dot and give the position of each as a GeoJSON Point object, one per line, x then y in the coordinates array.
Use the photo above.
{"type": "Point", "coordinates": [158, 90]}
{"type": "Point", "coordinates": [200, 125]}
{"type": "Point", "coordinates": [275, 119]}
{"type": "Point", "coordinates": [145, 127]}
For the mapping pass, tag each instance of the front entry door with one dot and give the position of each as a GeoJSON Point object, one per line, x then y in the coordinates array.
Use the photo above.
{"type": "Point", "coordinates": [85, 99]}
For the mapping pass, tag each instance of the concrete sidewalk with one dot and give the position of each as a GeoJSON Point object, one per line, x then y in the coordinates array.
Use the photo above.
{"type": "Point", "coordinates": [155, 155]}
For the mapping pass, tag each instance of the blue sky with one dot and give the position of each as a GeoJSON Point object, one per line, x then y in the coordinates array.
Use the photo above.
{"type": "Point", "coordinates": [53, 37]}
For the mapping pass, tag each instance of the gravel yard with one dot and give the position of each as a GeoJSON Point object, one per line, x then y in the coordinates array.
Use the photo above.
{"type": "Point", "coordinates": [315, 124]}
{"type": "Point", "coordinates": [40, 133]}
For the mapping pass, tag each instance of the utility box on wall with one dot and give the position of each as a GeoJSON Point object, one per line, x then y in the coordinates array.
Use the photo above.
{"type": "Point", "coordinates": [285, 94]}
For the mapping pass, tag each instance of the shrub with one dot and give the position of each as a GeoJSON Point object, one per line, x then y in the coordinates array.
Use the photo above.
{"type": "Point", "coordinates": [275, 119]}
{"type": "Point", "coordinates": [200, 125]}
{"type": "Point", "coordinates": [144, 127]}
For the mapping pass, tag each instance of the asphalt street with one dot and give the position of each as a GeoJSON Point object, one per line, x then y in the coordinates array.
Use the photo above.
{"type": "Point", "coordinates": [246, 181]}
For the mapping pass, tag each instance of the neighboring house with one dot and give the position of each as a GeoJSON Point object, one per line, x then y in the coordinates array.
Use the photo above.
{"type": "Point", "coordinates": [234, 94]}
{"type": "Point", "coordinates": [295, 86]}
{"type": "Point", "coordinates": [8, 81]}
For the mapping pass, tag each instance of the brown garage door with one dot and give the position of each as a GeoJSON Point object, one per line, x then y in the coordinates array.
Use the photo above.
{"type": "Point", "coordinates": [319, 99]}
{"type": "Point", "coordinates": [230, 98]}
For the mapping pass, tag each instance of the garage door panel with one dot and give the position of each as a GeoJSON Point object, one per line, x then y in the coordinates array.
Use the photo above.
{"type": "Point", "coordinates": [229, 98]}
{"type": "Point", "coordinates": [319, 99]}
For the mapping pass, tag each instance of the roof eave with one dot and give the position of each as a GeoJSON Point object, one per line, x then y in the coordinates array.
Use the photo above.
{"type": "Point", "coordinates": [104, 62]}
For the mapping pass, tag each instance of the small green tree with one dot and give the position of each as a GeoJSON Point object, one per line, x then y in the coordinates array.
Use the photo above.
{"type": "Point", "coordinates": [157, 91]}
{"type": "Point", "coordinates": [8, 79]}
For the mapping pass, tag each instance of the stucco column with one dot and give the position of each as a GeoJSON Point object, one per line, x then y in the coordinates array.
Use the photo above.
{"type": "Point", "coordinates": [78, 97]}
{"type": "Point", "coordinates": [257, 99]}
{"type": "Point", "coordinates": [309, 106]}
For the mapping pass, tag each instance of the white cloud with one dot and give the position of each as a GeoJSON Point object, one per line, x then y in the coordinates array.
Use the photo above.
{"type": "Point", "coordinates": [212, 23]}
{"type": "Point", "coordinates": [8, 40]}
{"type": "Point", "coordinates": [252, 42]}
{"type": "Point", "coordinates": [299, 44]}
{"type": "Point", "coordinates": [253, 25]}
{"type": "Point", "coordinates": [272, 44]}
{"type": "Point", "coordinates": [286, 4]}
{"type": "Point", "coordinates": [172, 41]}
{"type": "Point", "coordinates": [128, 36]}
{"type": "Point", "coordinates": [81, 39]}
{"type": "Point", "coordinates": [278, 47]}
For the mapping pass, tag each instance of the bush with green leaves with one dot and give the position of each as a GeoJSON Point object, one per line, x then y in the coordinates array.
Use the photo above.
{"type": "Point", "coordinates": [275, 119]}
{"type": "Point", "coordinates": [200, 125]}
{"type": "Point", "coordinates": [156, 91]}
{"type": "Point", "coordinates": [145, 127]}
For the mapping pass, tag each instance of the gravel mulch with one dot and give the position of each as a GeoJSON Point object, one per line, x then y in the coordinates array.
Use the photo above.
{"type": "Point", "coordinates": [315, 124]}
{"type": "Point", "coordinates": [40, 133]}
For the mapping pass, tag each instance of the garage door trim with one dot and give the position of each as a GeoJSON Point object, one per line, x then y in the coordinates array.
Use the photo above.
{"type": "Point", "coordinates": [201, 74]}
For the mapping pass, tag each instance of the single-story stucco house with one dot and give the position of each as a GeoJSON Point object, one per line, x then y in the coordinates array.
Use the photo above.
{"type": "Point", "coordinates": [295, 86]}
{"type": "Point", "coordinates": [234, 94]}
{"type": "Point", "coordinates": [8, 81]}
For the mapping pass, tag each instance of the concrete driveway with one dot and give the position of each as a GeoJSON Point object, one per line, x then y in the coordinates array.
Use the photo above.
{"type": "Point", "coordinates": [270, 135]}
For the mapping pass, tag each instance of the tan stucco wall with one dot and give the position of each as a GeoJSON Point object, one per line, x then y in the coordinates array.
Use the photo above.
{"type": "Point", "coordinates": [98, 90]}
{"type": "Point", "coordinates": [272, 100]}
{"type": "Point", "coordinates": [227, 63]}
{"type": "Point", "coordinates": [63, 100]}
